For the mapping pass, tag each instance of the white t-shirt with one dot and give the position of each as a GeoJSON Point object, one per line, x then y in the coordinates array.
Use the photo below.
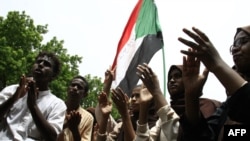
{"type": "Point", "coordinates": [18, 123]}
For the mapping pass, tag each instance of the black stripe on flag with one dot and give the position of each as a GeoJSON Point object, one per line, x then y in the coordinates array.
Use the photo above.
{"type": "Point", "coordinates": [150, 45]}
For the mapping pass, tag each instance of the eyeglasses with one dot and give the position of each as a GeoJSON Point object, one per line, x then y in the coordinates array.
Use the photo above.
{"type": "Point", "coordinates": [239, 42]}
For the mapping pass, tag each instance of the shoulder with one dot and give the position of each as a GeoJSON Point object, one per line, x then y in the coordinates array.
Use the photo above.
{"type": "Point", "coordinates": [85, 114]}
{"type": "Point", "coordinates": [7, 92]}
{"type": "Point", "coordinates": [10, 89]}
{"type": "Point", "coordinates": [52, 100]}
{"type": "Point", "coordinates": [208, 106]}
{"type": "Point", "coordinates": [211, 102]}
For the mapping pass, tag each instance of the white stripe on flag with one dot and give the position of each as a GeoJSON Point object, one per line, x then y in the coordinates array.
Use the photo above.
{"type": "Point", "coordinates": [125, 56]}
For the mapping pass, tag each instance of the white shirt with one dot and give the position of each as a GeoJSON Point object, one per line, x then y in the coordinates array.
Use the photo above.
{"type": "Point", "coordinates": [18, 123]}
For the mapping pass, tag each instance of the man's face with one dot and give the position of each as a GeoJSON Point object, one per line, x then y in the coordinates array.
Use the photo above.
{"type": "Point", "coordinates": [76, 90]}
{"type": "Point", "coordinates": [43, 69]}
{"type": "Point", "coordinates": [135, 99]}
{"type": "Point", "coordinates": [175, 83]}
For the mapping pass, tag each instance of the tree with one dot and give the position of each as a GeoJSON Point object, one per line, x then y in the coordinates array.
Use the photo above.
{"type": "Point", "coordinates": [20, 42]}
{"type": "Point", "coordinates": [18, 38]}
{"type": "Point", "coordinates": [95, 88]}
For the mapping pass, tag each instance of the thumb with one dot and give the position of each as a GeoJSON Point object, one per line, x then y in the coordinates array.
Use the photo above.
{"type": "Point", "coordinates": [205, 73]}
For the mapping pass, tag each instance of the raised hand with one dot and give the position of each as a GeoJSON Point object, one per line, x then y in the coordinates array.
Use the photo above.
{"type": "Point", "coordinates": [20, 92]}
{"type": "Point", "coordinates": [193, 83]}
{"type": "Point", "coordinates": [22, 88]}
{"type": "Point", "coordinates": [104, 104]}
{"type": "Point", "coordinates": [149, 79]}
{"type": "Point", "coordinates": [121, 101]}
{"type": "Point", "coordinates": [192, 79]}
{"type": "Point", "coordinates": [145, 97]}
{"type": "Point", "coordinates": [204, 49]}
{"type": "Point", "coordinates": [102, 112]}
{"type": "Point", "coordinates": [109, 77]}
{"type": "Point", "coordinates": [74, 119]}
{"type": "Point", "coordinates": [32, 93]}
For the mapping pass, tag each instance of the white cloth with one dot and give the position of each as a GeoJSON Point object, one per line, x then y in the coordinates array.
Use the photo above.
{"type": "Point", "coordinates": [18, 123]}
{"type": "Point", "coordinates": [166, 128]}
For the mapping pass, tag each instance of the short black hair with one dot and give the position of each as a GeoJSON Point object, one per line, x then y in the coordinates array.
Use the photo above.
{"type": "Point", "coordinates": [86, 88]}
{"type": "Point", "coordinates": [57, 62]}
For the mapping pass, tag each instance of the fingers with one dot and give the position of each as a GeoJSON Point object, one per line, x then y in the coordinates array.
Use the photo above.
{"type": "Point", "coordinates": [201, 34]}
{"type": "Point", "coordinates": [126, 98]}
{"type": "Point", "coordinates": [32, 93]}
{"type": "Point", "coordinates": [184, 63]}
{"type": "Point", "coordinates": [194, 36]}
{"type": "Point", "coordinates": [144, 72]}
{"type": "Point", "coordinates": [201, 42]}
{"type": "Point", "coordinates": [188, 43]}
{"type": "Point", "coordinates": [118, 95]}
{"type": "Point", "coordinates": [120, 100]}
{"type": "Point", "coordinates": [191, 64]}
{"type": "Point", "coordinates": [31, 86]}
{"type": "Point", "coordinates": [190, 53]}
{"type": "Point", "coordinates": [108, 74]}
{"type": "Point", "coordinates": [74, 116]}
{"type": "Point", "coordinates": [22, 80]}
{"type": "Point", "coordinates": [205, 73]}
{"type": "Point", "coordinates": [197, 35]}
{"type": "Point", "coordinates": [102, 97]}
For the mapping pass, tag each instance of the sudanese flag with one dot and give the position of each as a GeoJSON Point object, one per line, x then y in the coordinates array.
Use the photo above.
{"type": "Point", "coordinates": [141, 39]}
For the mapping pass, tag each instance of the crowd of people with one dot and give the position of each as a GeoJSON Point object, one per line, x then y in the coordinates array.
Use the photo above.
{"type": "Point", "coordinates": [29, 111]}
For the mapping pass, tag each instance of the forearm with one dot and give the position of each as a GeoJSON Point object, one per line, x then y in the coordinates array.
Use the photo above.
{"type": "Point", "coordinates": [229, 78]}
{"type": "Point", "coordinates": [143, 114]}
{"type": "Point", "coordinates": [76, 134]}
{"type": "Point", "coordinates": [103, 125]}
{"type": "Point", "coordinates": [160, 101]}
{"type": "Point", "coordinates": [46, 130]}
{"type": "Point", "coordinates": [192, 108]}
{"type": "Point", "coordinates": [107, 86]}
{"type": "Point", "coordinates": [128, 128]}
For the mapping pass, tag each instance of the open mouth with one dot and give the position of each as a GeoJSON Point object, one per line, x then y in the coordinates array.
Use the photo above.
{"type": "Point", "coordinates": [74, 93]}
{"type": "Point", "coordinates": [134, 106]}
{"type": "Point", "coordinates": [173, 86]}
{"type": "Point", "coordinates": [236, 57]}
{"type": "Point", "coordinates": [38, 71]}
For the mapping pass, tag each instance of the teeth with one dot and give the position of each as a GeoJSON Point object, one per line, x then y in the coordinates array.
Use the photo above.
{"type": "Point", "coordinates": [38, 71]}
{"type": "Point", "coordinates": [173, 86]}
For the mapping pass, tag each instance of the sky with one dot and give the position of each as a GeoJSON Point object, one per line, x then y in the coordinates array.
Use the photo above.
{"type": "Point", "coordinates": [92, 29]}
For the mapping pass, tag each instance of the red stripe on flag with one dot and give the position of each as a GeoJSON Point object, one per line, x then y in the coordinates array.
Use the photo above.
{"type": "Point", "coordinates": [127, 31]}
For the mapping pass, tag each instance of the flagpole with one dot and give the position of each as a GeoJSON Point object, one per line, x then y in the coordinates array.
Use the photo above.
{"type": "Point", "coordinates": [164, 72]}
